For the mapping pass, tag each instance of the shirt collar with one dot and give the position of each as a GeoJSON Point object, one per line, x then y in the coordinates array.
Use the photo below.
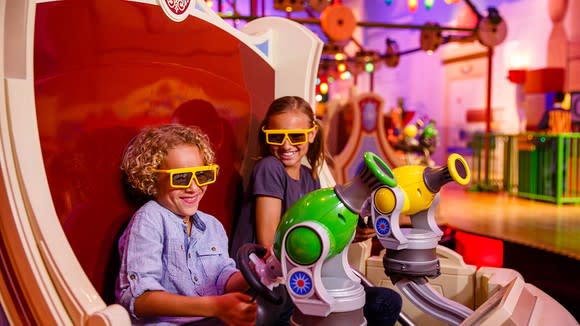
{"type": "Point", "coordinates": [198, 223]}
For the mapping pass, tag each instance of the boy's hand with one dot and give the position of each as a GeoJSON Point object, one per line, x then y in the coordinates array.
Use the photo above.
{"type": "Point", "coordinates": [236, 309]}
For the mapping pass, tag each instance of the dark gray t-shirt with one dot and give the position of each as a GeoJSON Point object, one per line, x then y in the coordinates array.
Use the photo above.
{"type": "Point", "coordinates": [269, 178]}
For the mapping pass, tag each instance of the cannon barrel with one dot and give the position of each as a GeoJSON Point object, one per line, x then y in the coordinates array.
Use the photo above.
{"type": "Point", "coordinates": [456, 170]}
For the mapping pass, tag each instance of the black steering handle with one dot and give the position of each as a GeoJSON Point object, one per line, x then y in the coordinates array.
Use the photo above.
{"type": "Point", "coordinates": [243, 258]}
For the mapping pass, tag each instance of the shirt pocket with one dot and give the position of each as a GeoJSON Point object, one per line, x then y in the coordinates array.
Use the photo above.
{"type": "Point", "coordinates": [176, 262]}
{"type": "Point", "coordinates": [210, 256]}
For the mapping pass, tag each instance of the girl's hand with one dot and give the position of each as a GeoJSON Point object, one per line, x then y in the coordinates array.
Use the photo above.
{"type": "Point", "coordinates": [236, 309]}
{"type": "Point", "coordinates": [363, 234]}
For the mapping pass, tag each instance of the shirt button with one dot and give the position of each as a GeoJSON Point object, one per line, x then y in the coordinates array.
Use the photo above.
{"type": "Point", "coordinates": [213, 249]}
{"type": "Point", "coordinates": [195, 278]}
{"type": "Point", "coordinates": [133, 277]}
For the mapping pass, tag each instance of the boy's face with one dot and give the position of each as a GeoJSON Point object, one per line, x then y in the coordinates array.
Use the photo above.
{"type": "Point", "coordinates": [183, 202]}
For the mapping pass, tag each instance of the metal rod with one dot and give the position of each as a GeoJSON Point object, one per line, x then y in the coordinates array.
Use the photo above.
{"type": "Point", "coordinates": [488, 95]}
{"type": "Point", "coordinates": [253, 9]}
{"type": "Point", "coordinates": [357, 43]}
{"type": "Point", "coordinates": [488, 117]}
{"type": "Point", "coordinates": [472, 7]}
{"type": "Point", "coordinates": [313, 21]}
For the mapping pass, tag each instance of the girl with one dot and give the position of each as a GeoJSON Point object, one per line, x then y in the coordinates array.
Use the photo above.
{"type": "Point", "coordinates": [288, 133]}
{"type": "Point", "coordinates": [174, 263]}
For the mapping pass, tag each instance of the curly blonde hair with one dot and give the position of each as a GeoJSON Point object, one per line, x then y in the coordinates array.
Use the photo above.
{"type": "Point", "coordinates": [149, 148]}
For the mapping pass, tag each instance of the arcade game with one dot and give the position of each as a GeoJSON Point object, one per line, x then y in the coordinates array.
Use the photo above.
{"type": "Point", "coordinates": [310, 253]}
{"type": "Point", "coordinates": [80, 78]}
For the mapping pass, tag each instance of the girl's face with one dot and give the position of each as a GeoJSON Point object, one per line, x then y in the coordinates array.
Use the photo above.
{"type": "Point", "coordinates": [291, 155]}
{"type": "Point", "coordinates": [183, 202]}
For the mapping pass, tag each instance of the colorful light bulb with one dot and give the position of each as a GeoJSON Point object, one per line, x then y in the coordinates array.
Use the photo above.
{"type": "Point", "coordinates": [413, 4]}
{"type": "Point", "coordinates": [369, 67]}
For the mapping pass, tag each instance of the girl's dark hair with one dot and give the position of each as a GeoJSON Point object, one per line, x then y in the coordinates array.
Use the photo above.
{"type": "Point", "coordinates": [316, 151]}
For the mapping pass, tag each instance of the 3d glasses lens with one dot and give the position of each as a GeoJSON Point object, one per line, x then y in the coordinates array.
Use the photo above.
{"type": "Point", "coordinates": [182, 179]}
{"type": "Point", "coordinates": [297, 138]}
{"type": "Point", "coordinates": [276, 138]}
{"type": "Point", "coordinates": [204, 177]}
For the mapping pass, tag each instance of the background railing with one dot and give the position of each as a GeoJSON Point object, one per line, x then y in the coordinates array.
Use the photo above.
{"type": "Point", "coordinates": [530, 165]}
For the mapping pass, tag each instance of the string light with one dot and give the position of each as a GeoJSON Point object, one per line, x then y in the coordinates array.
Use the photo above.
{"type": "Point", "coordinates": [323, 88]}
{"type": "Point", "coordinates": [429, 4]}
{"type": "Point", "coordinates": [413, 4]}
{"type": "Point", "coordinates": [369, 67]}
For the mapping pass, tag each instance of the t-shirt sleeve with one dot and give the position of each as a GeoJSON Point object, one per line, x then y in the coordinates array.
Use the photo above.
{"type": "Point", "coordinates": [269, 178]}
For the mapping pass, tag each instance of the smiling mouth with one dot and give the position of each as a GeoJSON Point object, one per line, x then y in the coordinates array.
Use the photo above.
{"type": "Point", "coordinates": [288, 154]}
{"type": "Point", "coordinates": [189, 200]}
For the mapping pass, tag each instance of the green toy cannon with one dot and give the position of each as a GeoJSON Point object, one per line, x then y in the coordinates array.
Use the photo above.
{"type": "Point", "coordinates": [310, 251]}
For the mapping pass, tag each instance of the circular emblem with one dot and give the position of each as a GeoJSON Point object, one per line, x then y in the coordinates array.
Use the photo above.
{"type": "Point", "coordinates": [300, 283]}
{"type": "Point", "coordinates": [175, 9]}
{"type": "Point", "coordinates": [382, 226]}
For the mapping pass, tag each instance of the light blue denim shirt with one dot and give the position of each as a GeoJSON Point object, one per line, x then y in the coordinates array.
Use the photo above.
{"type": "Point", "coordinates": [157, 254]}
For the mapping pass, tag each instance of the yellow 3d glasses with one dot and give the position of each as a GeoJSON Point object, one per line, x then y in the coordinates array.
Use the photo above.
{"type": "Point", "coordinates": [294, 136]}
{"type": "Point", "coordinates": [182, 178]}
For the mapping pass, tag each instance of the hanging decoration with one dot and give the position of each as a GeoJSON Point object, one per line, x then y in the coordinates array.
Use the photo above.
{"type": "Point", "coordinates": [318, 5]}
{"type": "Point", "coordinates": [392, 54]}
{"type": "Point", "coordinates": [431, 38]}
{"type": "Point", "coordinates": [338, 24]}
{"type": "Point", "coordinates": [289, 5]}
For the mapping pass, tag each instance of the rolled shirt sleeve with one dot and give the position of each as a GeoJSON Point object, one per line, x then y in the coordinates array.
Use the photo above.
{"type": "Point", "coordinates": [142, 266]}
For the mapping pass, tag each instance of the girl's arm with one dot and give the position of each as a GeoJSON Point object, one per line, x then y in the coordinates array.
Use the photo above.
{"type": "Point", "coordinates": [233, 308]}
{"type": "Point", "coordinates": [268, 210]}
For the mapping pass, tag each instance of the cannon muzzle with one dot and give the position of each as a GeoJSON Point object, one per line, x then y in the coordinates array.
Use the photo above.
{"type": "Point", "coordinates": [456, 170]}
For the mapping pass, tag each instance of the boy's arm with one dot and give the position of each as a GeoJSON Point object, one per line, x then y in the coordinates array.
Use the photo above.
{"type": "Point", "coordinates": [236, 283]}
{"type": "Point", "coordinates": [234, 308]}
{"type": "Point", "coordinates": [268, 210]}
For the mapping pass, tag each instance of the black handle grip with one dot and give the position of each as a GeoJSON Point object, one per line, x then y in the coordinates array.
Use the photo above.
{"type": "Point", "coordinates": [243, 257]}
